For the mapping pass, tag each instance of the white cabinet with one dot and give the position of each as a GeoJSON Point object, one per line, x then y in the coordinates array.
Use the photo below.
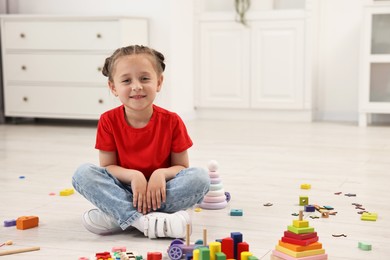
{"type": "Point", "coordinates": [261, 67]}
{"type": "Point", "coordinates": [374, 92]}
{"type": "Point", "coordinates": [52, 64]}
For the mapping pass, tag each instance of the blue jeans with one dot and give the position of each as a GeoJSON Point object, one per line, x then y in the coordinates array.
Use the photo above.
{"type": "Point", "coordinates": [115, 199]}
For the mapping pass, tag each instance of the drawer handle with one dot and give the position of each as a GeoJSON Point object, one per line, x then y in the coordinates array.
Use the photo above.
{"type": "Point", "coordinates": [101, 101]}
{"type": "Point", "coordinates": [99, 69]}
{"type": "Point", "coordinates": [22, 35]}
{"type": "Point", "coordinates": [99, 35]}
{"type": "Point", "coordinates": [25, 99]}
{"type": "Point", "coordinates": [24, 67]}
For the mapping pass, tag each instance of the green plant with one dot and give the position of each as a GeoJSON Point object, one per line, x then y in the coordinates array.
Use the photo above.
{"type": "Point", "coordinates": [242, 6]}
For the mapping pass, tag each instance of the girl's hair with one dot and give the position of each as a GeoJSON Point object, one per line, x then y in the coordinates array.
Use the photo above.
{"type": "Point", "coordinates": [157, 57]}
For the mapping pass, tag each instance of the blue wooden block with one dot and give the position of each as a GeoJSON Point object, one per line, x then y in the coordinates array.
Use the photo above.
{"type": "Point", "coordinates": [309, 208]}
{"type": "Point", "coordinates": [236, 212]}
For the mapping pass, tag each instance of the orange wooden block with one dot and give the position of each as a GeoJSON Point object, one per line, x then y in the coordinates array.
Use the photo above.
{"type": "Point", "coordinates": [298, 248]}
{"type": "Point", "coordinates": [26, 222]}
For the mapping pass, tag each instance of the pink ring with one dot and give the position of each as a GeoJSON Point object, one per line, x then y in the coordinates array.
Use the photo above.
{"type": "Point", "coordinates": [210, 199]}
{"type": "Point", "coordinates": [214, 174]}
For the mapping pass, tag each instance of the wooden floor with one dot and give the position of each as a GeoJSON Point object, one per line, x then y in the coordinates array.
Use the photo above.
{"type": "Point", "coordinates": [259, 163]}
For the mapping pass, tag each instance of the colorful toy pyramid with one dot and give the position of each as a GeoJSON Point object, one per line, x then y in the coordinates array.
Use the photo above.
{"type": "Point", "coordinates": [300, 241]}
{"type": "Point", "coordinates": [216, 198]}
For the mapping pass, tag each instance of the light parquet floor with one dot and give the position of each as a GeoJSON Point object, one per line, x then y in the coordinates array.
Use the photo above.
{"type": "Point", "coordinates": [259, 163]}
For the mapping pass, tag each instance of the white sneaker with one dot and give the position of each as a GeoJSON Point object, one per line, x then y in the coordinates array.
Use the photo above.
{"type": "Point", "coordinates": [173, 225]}
{"type": "Point", "coordinates": [100, 223]}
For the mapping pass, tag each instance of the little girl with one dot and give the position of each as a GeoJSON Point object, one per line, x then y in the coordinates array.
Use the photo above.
{"type": "Point", "coordinates": [144, 179]}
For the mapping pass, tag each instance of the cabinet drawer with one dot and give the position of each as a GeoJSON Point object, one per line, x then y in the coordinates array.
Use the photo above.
{"type": "Point", "coordinates": [59, 102]}
{"type": "Point", "coordinates": [81, 68]}
{"type": "Point", "coordinates": [61, 35]}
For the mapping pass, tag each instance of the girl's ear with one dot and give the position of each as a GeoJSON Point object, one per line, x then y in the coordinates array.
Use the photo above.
{"type": "Point", "coordinates": [112, 88]}
{"type": "Point", "coordinates": [159, 82]}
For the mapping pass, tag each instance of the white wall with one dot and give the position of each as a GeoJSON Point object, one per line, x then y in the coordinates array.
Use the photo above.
{"type": "Point", "coordinates": [171, 31]}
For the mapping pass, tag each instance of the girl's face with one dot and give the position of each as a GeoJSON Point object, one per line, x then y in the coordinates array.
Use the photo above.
{"type": "Point", "coordinates": [135, 81]}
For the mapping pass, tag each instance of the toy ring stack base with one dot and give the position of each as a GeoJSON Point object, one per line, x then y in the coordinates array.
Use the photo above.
{"type": "Point", "coordinates": [213, 205]}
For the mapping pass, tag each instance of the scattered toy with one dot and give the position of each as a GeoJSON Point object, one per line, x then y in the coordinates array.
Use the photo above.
{"type": "Point", "coordinates": [350, 195]}
{"type": "Point", "coordinates": [268, 204]}
{"type": "Point", "coordinates": [341, 235]}
{"type": "Point", "coordinates": [8, 243]}
{"type": "Point", "coordinates": [364, 246]}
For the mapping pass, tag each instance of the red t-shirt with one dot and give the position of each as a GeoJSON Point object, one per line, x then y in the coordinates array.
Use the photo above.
{"type": "Point", "coordinates": [145, 149]}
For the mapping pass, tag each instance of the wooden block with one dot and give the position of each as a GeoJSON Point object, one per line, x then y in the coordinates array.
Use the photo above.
{"type": "Point", "coordinates": [237, 238]}
{"type": "Point", "coordinates": [298, 248]}
{"type": "Point", "coordinates": [300, 254]}
{"type": "Point", "coordinates": [236, 212]}
{"type": "Point", "coordinates": [364, 246]}
{"type": "Point", "coordinates": [220, 256]}
{"type": "Point", "coordinates": [305, 186]}
{"type": "Point", "coordinates": [227, 247]}
{"type": "Point", "coordinates": [245, 255]}
{"type": "Point", "coordinates": [369, 216]}
{"type": "Point", "coordinates": [66, 192]}
{"type": "Point", "coordinates": [281, 255]}
{"type": "Point", "coordinates": [299, 236]}
{"type": "Point", "coordinates": [242, 247]}
{"type": "Point", "coordinates": [303, 200]}
{"type": "Point", "coordinates": [300, 230]}
{"type": "Point", "coordinates": [309, 208]}
{"type": "Point", "coordinates": [26, 222]}
{"type": "Point", "coordinates": [252, 257]}
{"type": "Point", "coordinates": [300, 223]}
{"type": "Point", "coordinates": [195, 254]}
{"type": "Point", "coordinates": [301, 242]}
{"type": "Point", "coordinates": [214, 247]}
{"type": "Point", "coordinates": [204, 253]}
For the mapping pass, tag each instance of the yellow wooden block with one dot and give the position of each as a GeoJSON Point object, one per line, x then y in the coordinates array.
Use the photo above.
{"type": "Point", "coordinates": [195, 254]}
{"type": "Point", "coordinates": [66, 192]}
{"type": "Point", "coordinates": [299, 248]}
{"type": "Point", "coordinates": [301, 230]}
{"type": "Point", "coordinates": [300, 254]}
{"type": "Point", "coordinates": [369, 216]}
{"type": "Point", "coordinates": [305, 186]}
{"type": "Point", "coordinates": [214, 247]}
{"type": "Point", "coordinates": [245, 255]}
{"type": "Point", "coordinates": [300, 223]}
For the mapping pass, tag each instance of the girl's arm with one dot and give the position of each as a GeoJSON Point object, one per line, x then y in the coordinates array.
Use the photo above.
{"type": "Point", "coordinates": [134, 178]}
{"type": "Point", "coordinates": [156, 192]}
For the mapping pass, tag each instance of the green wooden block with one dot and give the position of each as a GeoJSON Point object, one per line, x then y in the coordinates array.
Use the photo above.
{"type": "Point", "coordinates": [204, 253]}
{"type": "Point", "coordinates": [220, 256]}
{"type": "Point", "coordinates": [301, 230]}
{"type": "Point", "coordinates": [364, 246]}
{"type": "Point", "coordinates": [303, 200]}
{"type": "Point", "coordinates": [253, 258]}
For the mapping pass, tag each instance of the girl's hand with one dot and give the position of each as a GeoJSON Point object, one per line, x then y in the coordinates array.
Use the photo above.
{"type": "Point", "coordinates": [156, 191]}
{"type": "Point", "coordinates": [138, 186]}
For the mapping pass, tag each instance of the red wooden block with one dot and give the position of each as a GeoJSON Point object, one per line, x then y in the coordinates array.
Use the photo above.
{"type": "Point", "coordinates": [300, 236]}
{"type": "Point", "coordinates": [242, 247]}
{"type": "Point", "coordinates": [301, 242]}
{"type": "Point", "coordinates": [227, 247]}
{"type": "Point", "coordinates": [154, 256]}
{"type": "Point", "coordinates": [103, 255]}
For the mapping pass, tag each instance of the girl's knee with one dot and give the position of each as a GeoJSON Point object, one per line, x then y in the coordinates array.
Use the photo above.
{"type": "Point", "coordinates": [83, 173]}
{"type": "Point", "coordinates": [201, 175]}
